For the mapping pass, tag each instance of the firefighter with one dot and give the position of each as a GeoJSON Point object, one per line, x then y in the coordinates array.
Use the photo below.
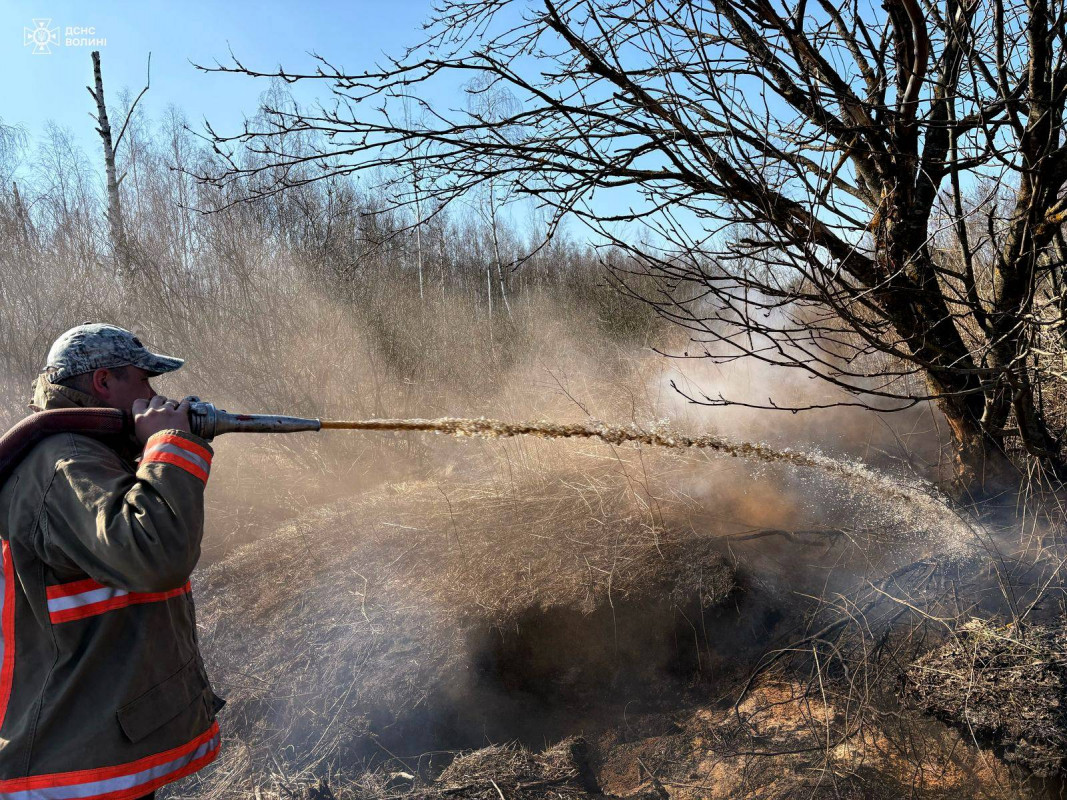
{"type": "Point", "coordinates": [103, 693]}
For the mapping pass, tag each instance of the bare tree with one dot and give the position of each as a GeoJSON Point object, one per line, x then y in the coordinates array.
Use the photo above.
{"type": "Point", "coordinates": [870, 195]}
{"type": "Point", "coordinates": [12, 142]}
{"type": "Point", "coordinates": [116, 224]}
{"type": "Point", "coordinates": [488, 100]}
{"type": "Point", "coordinates": [417, 206]}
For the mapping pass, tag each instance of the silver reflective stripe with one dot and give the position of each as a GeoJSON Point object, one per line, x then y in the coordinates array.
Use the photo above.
{"type": "Point", "coordinates": [84, 598]}
{"type": "Point", "coordinates": [80, 791]}
{"type": "Point", "coordinates": [181, 452]}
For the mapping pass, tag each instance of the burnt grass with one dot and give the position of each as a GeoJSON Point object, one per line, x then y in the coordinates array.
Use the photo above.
{"type": "Point", "coordinates": [1002, 685]}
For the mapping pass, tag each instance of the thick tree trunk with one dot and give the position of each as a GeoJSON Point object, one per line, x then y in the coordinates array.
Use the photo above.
{"type": "Point", "coordinates": [913, 301]}
{"type": "Point", "coordinates": [1015, 273]}
{"type": "Point", "coordinates": [982, 468]}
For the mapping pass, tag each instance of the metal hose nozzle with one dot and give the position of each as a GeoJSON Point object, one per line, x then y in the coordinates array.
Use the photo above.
{"type": "Point", "coordinates": [207, 421]}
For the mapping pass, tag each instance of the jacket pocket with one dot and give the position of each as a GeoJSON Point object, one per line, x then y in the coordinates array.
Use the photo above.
{"type": "Point", "coordinates": [163, 702]}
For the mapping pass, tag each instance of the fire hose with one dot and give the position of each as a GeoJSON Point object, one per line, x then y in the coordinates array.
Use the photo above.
{"type": "Point", "coordinates": [208, 422]}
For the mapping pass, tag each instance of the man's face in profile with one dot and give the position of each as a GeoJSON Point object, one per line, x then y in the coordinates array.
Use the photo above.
{"type": "Point", "coordinates": [119, 388]}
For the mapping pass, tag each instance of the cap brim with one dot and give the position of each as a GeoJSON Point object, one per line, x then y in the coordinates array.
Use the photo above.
{"type": "Point", "coordinates": [156, 364]}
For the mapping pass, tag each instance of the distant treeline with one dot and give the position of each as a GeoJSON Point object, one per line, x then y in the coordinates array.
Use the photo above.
{"type": "Point", "coordinates": [314, 286]}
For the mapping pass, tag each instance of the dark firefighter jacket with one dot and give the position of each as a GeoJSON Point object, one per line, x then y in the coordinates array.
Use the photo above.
{"type": "Point", "coordinates": [103, 693]}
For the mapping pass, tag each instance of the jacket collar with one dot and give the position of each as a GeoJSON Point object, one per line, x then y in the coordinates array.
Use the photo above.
{"type": "Point", "coordinates": [48, 396]}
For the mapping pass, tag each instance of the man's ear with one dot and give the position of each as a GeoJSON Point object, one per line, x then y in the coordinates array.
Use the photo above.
{"type": "Point", "coordinates": [101, 381]}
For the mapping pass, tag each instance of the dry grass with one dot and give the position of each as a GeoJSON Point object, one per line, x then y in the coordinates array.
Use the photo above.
{"type": "Point", "coordinates": [560, 771]}
{"type": "Point", "coordinates": [361, 622]}
{"type": "Point", "coordinates": [782, 742]}
{"type": "Point", "coordinates": [358, 639]}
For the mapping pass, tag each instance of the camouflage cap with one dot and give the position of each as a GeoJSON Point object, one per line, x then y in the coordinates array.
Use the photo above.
{"type": "Point", "coordinates": [96, 345]}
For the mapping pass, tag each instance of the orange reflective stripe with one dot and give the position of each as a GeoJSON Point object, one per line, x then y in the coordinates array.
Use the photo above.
{"type": "Point", "coordinates": [134, 779]}
{"type": "Point", "coordinates": [167, 448]}
{"type": "Point", "coordinates": [81, 599]}
{"type": "Point", "coordinates": [119, 601]}
{"type": "Point", "coordinates": [179, 441]}
{"type": "Point", "coordinates": [76, 587]}
{"type": "Point", "coordinates": [178, 461]}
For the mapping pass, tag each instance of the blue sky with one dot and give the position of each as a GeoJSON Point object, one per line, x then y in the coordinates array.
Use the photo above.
{"type": "Point", "coordinates": [353, 35]}
{"type": "Point", "coordinates": [51, 86]}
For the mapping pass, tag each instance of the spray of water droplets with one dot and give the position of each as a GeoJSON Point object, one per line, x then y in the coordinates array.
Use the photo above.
{"type": "Point", "coordinates": [928, 508]}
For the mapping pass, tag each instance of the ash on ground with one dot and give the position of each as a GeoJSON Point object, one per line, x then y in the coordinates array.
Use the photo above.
{"type": "Point", "coordinates": [1004, 686]}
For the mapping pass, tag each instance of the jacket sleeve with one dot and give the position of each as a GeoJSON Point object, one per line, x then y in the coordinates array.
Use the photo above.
{"type": "Point", "coordinates": [140, 532]}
